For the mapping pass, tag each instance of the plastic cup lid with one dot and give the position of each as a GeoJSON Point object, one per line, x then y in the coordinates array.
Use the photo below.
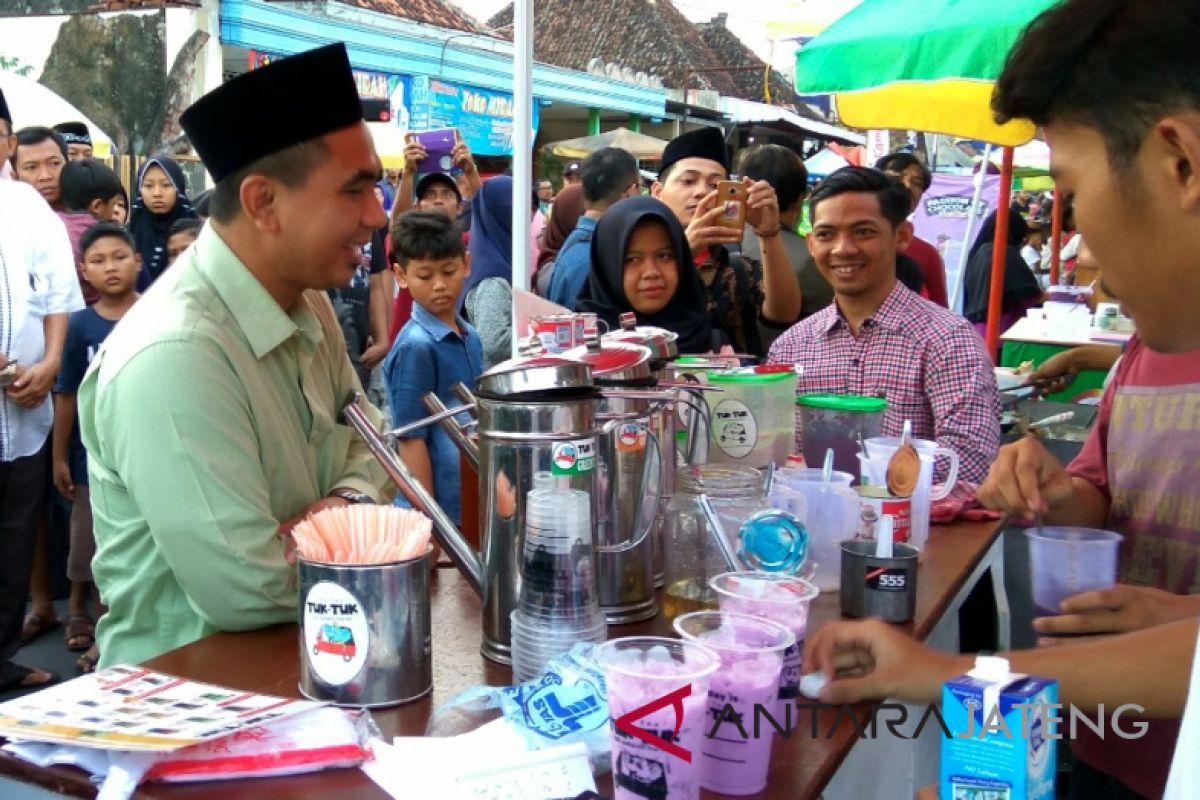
{"type": "Point", "coordinates": [751, 377]}
{"type": "Point", "coordinates": [773, 541]}
{"type": "Point", "coordinates": [843, 402]}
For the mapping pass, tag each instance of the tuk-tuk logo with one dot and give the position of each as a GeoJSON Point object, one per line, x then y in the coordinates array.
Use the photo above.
{"type": "Point", "coordinates": [565, 456]}
{"type": "Point", "coordinates": [336, 634]}
{"type": "Point", "coordinates": [336, 639]}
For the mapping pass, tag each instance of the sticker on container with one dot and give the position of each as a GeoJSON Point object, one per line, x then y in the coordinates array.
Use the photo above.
{"type": "Point", "coordinates": [887, 579]}
{"type": "Point", "coordinates": [576, 457]}
{"type": "Point", "coordinates": [734, 428]}
{"type": "Point", "coordinates": [631, 436]}
{"type": "Point", "coordinates": [336, 636]}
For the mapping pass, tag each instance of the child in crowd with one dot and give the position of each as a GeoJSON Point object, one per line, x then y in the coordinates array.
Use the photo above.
{"type": "Point", "coordinates": [435, 350]}
{"type": "Point", "coordinates": [111, 266]}
{"type": "Point", "coordinates": [89, 191]}
{"type": "Point", "coordinates": [160, 200]}
{"type": "Point", "coordinates": [641, 262]}
{"type": "Point", "coordinates": [183, 232]}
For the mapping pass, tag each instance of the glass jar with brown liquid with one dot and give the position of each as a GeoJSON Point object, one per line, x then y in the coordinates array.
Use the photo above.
{"type": "Point", "coordinates": [690, 553]}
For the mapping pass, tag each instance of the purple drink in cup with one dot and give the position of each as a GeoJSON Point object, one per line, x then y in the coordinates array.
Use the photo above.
{"type": "Point", "coordinates": [736, 751]}
{"type": "Point", "coordinates": [779, 598]}
{"type": "Point", "coordinates": [639, 670]}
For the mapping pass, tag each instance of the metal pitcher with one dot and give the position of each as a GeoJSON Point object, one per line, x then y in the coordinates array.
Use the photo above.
{"type": "Point", "coordinates": [535, 414]}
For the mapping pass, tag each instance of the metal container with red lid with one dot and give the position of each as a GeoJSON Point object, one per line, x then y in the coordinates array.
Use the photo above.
{"type": "Point", "coordinates": [617, 363]}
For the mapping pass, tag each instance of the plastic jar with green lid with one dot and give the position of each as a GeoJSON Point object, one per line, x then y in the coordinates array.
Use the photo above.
{"type": "Point", "coordinates": [838, 422]}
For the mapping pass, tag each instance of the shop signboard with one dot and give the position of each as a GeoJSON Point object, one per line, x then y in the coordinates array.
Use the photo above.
{"type": "Point", "coordinates": [484, 118]}
{"type": "Point", "coordinates": [941, 218]}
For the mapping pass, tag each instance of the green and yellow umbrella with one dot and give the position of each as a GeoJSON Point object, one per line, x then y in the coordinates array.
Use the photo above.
{"type": "Point", "coordinates": [927, 65]}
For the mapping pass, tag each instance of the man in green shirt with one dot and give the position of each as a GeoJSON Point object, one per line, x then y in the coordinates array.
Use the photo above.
{"type": "Point", "coordinates": [210, 416]}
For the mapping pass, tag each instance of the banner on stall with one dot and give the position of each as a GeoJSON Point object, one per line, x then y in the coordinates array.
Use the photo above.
{"type": "Point", "coordinates": [484, 118]}
{"type": "Point", "coordinates": [397, 89]}
{"type": "Point", "coordinates": [941, 218]}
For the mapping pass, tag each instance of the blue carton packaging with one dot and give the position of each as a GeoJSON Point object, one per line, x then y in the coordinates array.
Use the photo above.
{"type": "Point", "coordinates": [1003, 734]}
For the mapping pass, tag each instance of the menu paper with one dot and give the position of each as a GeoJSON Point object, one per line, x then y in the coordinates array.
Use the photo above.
{"type": "Point", "coordinates": [133, 708]}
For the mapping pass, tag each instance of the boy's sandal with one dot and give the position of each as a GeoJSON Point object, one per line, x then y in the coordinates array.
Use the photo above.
{"type": "Point", "coordinates": [86, 663]}
{"type": "Point", "coordinates": [14, 677]}
{"type": "Point", "coordinates": [80, 633]}
{"type": "Point", "coordinates": [36, 626]}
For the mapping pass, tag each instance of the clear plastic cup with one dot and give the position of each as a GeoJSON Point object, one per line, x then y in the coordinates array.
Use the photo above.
{"type": "Point", "coordinates": [736, 750]}
{"type": "Point", "coordinates": [782, 599]}
{"type": "Point", "coordinates": [831, 516]}
{"type": "Point", "coordinates": [639, 670]}
{"type": "Point", "coordinates": [1066, 561]}
{"type": "Point", "coordinates": [535, 641]}
{"type": "Point", "coordinates": [558, 578]}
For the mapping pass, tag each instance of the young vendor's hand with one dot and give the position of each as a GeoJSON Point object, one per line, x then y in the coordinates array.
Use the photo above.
{"type": "Point", "coordinates": [32, 384]}
{"type": "Point", "coordinates": [1055, 374]}
{"type": "Point", "coordinates": [62, 480]}
{"type": "Point", "coordinates": [1025, 480]}
{"type": "Point", "coordinates": [762, 207]}
{"type": "Point", "coordinates": [871, 660]}
{"type": "Point", "coordinates": [1120, 609]}
{"type": "Point", "coordinates": [703, 231]}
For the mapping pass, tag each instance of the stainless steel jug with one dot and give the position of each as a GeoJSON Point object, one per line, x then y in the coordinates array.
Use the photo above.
{"type": "Point", "coordinates": [535, 415]}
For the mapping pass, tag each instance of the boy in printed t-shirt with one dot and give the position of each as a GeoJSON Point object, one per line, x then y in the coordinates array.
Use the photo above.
{"type": "Point", "coordinates": [111, 265]}
{"type": "Point", "coordinates": [434, 350]}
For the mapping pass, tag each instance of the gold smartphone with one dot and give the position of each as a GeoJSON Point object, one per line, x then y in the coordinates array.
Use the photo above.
{"type": "Point", "coordinates": [732, 196]}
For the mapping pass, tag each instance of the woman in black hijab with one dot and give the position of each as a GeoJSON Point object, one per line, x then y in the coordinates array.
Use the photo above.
{"type": "Point", "coordinates": [641, 262]}
{"type": "Point", "coordinates": [1021, 289]}
{"type": "Point", "coordinates": [159, 200]}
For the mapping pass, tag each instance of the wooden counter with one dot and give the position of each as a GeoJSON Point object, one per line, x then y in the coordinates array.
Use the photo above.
{"type": "Point", "coordinates": [266, 661]}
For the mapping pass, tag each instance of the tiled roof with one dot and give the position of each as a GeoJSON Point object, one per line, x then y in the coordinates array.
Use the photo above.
{"type": "Point", "coordinates": [727, 49]}
{"type": "Point", "coordinates": [645, 35]}
{"type": "Point", "coordinates": [441, 13]}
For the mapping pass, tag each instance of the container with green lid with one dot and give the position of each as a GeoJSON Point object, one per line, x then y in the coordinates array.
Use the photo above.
{"type": "Point", "coordinates": [838, 422]}
{"type": "Point", "coordinates": [752, 421]}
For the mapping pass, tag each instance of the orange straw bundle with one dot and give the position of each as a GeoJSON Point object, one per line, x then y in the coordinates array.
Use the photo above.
{"type": "Point", "coordinates": [362, 534]}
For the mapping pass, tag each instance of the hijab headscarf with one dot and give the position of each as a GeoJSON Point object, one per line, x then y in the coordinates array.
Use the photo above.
{"type": "Point", "coordinates": [1020, 285]}
{"type": "Point", "coordinates": [568, 208]}
{"type": "Point", "coordinates": [686, 313]}
{"type": "Point", "coordinates": [388, 195]}
{"type": "Point", "coordinates": [1018, 229]}
{"type": "Point", "coordinates": [491, 232]}
{"type": "Point", "coordinates": [150, 230]}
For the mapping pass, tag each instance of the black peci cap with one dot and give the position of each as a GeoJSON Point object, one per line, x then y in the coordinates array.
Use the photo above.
{"type": "Point", "coordinates": [293, 100]}
{"type": "Point", "coordinates": [74, 133]}
{"type": "Point", "coordinates": [707, 142]}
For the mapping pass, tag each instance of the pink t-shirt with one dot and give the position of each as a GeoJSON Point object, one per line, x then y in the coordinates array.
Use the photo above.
{"type": "Point", "coordinates": [1143, 454]}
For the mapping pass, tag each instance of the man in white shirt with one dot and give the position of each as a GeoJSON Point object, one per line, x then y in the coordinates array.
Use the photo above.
{"type": "Point", "coordinates": [1122, 116]}
{"type": "Point", "coordinates": [38, 291]}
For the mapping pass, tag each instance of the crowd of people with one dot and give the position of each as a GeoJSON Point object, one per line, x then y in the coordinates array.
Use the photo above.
{"type": "Point", "coordinates": [178, 374]}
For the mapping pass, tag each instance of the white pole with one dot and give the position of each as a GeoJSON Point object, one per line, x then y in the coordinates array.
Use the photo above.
{"type": "Point", "coordinates": [980, 176]}
{"type": "Point", "coordinates": [522, 164]}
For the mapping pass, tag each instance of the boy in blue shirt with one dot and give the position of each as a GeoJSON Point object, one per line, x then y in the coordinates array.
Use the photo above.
{"type": "Point", "coordinates": [111, 265]}
{"type": "Point", "coordinates": [434, 350]}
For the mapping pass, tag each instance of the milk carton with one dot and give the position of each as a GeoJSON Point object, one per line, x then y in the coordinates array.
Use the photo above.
{"type": "Point", "coordinates": [996, 748]}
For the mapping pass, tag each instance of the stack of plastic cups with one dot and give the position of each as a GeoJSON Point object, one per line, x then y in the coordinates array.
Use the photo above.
{"type": "Point", "coordinates": [559, 604]}
{"type": "Point", "coordinates": [737, 749]}
{"type": "Point", "coordinates": [780, 598]}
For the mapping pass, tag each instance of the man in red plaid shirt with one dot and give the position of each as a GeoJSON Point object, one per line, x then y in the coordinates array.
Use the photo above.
{"type": "Point", "coordinates": [878, 338]}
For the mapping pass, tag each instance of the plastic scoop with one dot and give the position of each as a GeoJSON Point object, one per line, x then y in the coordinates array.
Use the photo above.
{"type": "Point", "coordinates": [904, 467]}
{"type": "Point", "coordinates": [883, 545]}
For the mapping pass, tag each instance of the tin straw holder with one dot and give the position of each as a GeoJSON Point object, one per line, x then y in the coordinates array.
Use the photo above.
{"type": "Point", "coordinates": [365, 632]}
